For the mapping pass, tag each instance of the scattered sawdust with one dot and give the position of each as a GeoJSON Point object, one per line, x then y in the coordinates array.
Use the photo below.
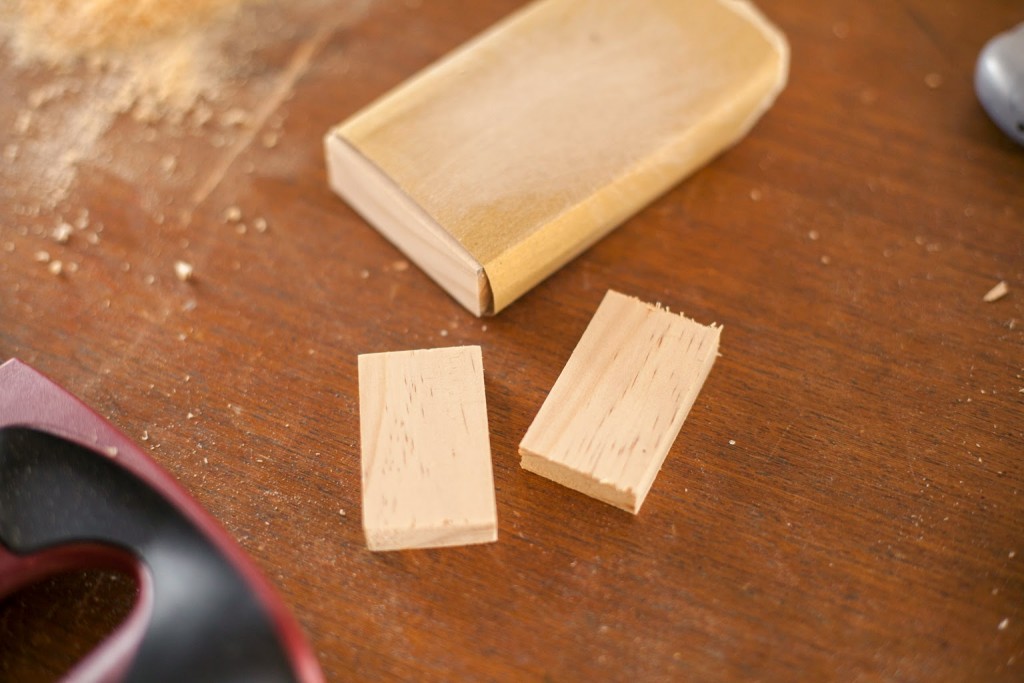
{"type": "Point", "coordinates": [260, 224]}
{"type": "Point", "coordinates": [826, 259]}
{"type": "Point", "coordinates": [42, 256]}
{"type": "Point", "coordinates": [813, 235]}
{"type": "Point", "coordinates": [55, 267]}
{"type": "Point", "coordinates": [1003, 624]}
{"type": "Point", "coordinates": [933, 80]}
{"type": "Point", "coordinates": [755, 195]}
{"type": "Point", "coordinates": [232, 214]}
{"type": "Point", "coordinates": [997, 292]}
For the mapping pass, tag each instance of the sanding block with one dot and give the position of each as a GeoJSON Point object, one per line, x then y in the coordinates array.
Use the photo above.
{"type": "Point", "coordinates": [498, 164]}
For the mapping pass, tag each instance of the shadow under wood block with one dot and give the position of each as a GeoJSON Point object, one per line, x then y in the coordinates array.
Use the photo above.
{"type": "Point", "coordinates": [426, 455]}
{"type": "Point", "coordinates": [617, 407]}
{"type": "Point", "coordinates": [506, 159]}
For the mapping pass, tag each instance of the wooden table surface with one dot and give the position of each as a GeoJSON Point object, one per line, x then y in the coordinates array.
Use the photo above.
{"type": "Point", "coordinates": [843, 503]}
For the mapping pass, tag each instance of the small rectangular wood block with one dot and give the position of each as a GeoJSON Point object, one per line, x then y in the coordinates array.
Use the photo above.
{"type": "Point", "coordinates": [617, 407]}
{"type": "Point", "coordinates": [426, 455]}
{"type": "Point", "coordinates": [510, 156]}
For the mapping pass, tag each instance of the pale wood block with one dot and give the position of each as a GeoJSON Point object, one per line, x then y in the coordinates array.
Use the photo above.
{"type": "Point", "coordinates": [617, 407]}
{"type": "Point", "coordinates": [504, 160]}
{"type": "Point", "coordinates": [426, 456]}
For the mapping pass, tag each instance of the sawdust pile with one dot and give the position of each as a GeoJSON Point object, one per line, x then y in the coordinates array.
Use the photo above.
{"type": "Point", "coordinates": [159, 50]}
{"type": "Point", "coordinates": [79, 65]}
{"type": "Point", "coordinates": [58, 31]}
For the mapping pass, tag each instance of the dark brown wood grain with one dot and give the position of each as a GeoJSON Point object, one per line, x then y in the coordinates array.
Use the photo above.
{"type": "Point", "coordinates": [868, 521]}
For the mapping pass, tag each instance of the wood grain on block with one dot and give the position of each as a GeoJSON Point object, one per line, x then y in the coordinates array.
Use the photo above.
{"type": "Point", "coordinates": [618, 405]}
{"type": "Point", "coordinates": [507, 158]}
{"type": "Point", "coordinates": [426, 457]}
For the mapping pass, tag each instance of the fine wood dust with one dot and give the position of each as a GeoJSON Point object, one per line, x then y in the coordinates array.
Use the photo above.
{"type": "Point", "coordinates": [126, 86]}
{"type": "Point", "coordinates": [163, 53]}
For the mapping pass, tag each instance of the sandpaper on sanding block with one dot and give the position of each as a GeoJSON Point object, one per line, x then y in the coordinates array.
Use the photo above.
{"type": "Point", "coordinates": [508, 157]}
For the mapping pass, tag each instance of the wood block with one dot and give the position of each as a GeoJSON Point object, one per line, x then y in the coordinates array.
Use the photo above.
{"type": "Point", "coordinates": [617, 407]}
{"type": "Point", "coordinates": [504, 160]}
{"type": "Point", "coordinates": [426, 455]}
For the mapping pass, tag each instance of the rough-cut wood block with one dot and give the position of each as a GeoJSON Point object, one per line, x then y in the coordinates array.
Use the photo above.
{"type": "Point", "coordinates": [426, 456]}
{"type": "Point", "coordinates": [501, 162]}
{"type": "Point", "coordinates": [610, 419]}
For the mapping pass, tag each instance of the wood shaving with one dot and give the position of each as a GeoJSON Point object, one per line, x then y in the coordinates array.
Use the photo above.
{"type": "Point", "coordinates": [232, 214]}
{"type": "Point", "coordinates": [183, 270]}
{"type": "Point", "coordinates": [260, 224]}
{"type": "Point", "coordinates": [168, 163]}
{"type": "Point", "coordinates": [55, 267]}
{"type": "Point", "coordinates": [997, 292]}
{"type": "Point", "coordinates": [23, 122]}
{"type": "Point", "coordinates": [234, 117]}
{"type": "Point", "coordinates": [150, 58]}
{"type": "Point", "coordinates": [62, 233]}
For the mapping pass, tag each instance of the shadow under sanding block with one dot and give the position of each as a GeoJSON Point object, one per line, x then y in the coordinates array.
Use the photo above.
{"type": "Point", "coordinates": [504, 160]}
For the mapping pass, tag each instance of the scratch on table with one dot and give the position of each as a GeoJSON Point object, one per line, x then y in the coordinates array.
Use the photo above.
{"type": "Point", "coordinates": [782, 436]}
{"type": "Point", "coordinates": [297, 67]}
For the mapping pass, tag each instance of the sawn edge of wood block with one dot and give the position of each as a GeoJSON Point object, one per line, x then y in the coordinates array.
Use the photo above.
{"type": "Point", "coordinates": [617, 407]}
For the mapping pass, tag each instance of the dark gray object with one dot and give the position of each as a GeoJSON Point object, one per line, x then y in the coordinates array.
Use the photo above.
{"type": "Point", "coordinates": [999, 81]}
